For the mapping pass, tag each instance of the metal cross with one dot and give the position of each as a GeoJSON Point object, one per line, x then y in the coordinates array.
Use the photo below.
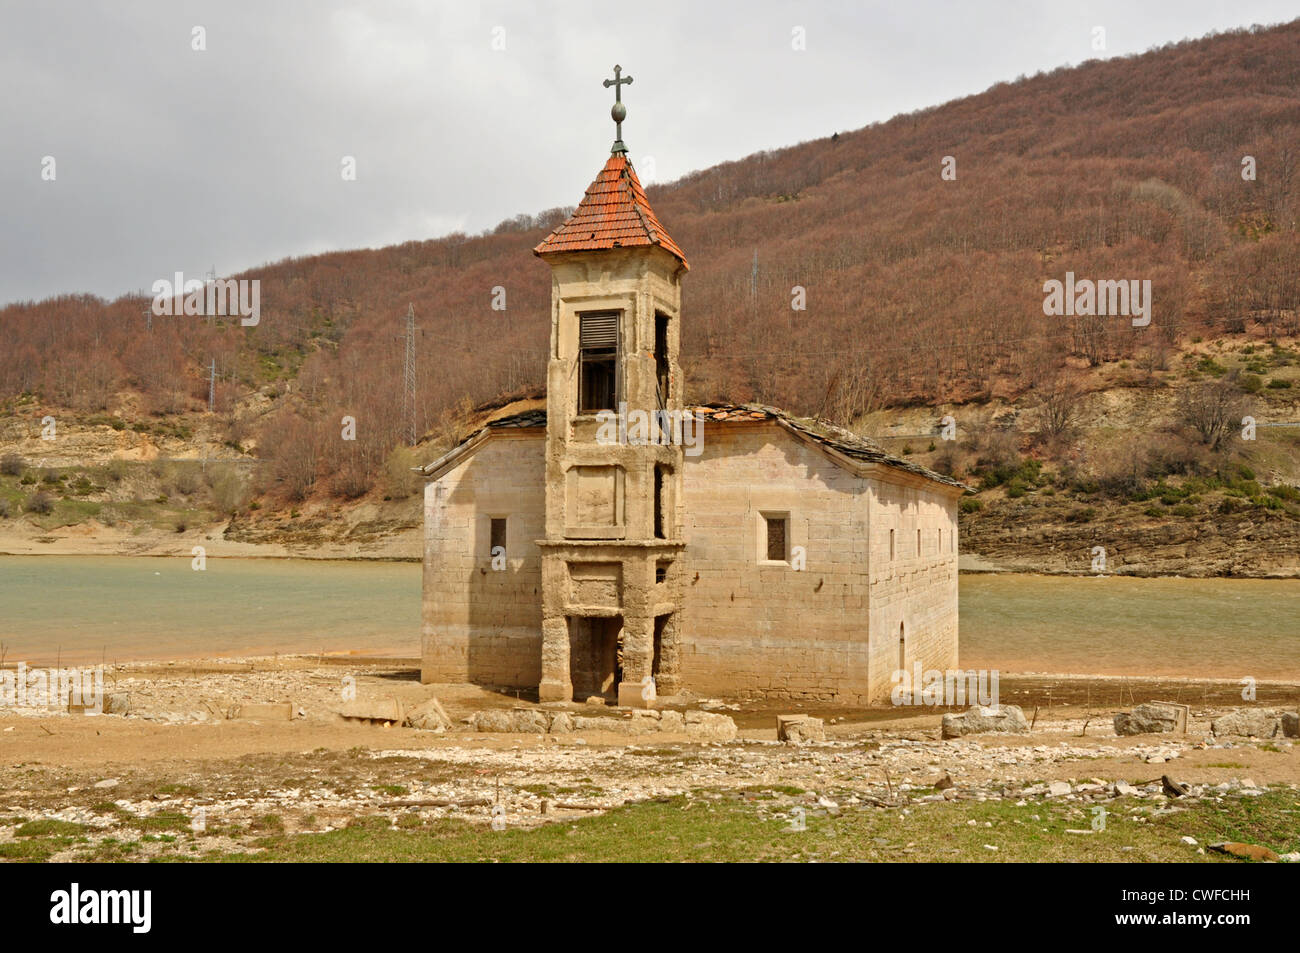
{"type": "Point", "coordinates": [619, 112]}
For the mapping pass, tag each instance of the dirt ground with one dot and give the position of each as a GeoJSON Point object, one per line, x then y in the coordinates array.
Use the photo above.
{"type": "Point", "coordinates": [177, 762]}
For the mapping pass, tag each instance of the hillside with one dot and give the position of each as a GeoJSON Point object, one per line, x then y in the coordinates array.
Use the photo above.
{"type": "Point", "coordinates": [924, 297]}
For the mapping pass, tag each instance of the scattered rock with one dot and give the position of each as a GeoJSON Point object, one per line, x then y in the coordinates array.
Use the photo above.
{"type": "Point", "coordinates": [429, 716]}
{"type": "Point", "coordinates": [1189, 841]}
{"type": "Point", "coordinates": [528, 721]}
{"type": "Point", "coordinates": [1058, 789]}
{"type": "Point", "coordinates": [107, 783]}
{"type": "Point", "coordinates": [945, 782]}
{"type": "Point", "coordinates": [672, 721]}
{"type": "Point", "coordinates": [1173, 788]}
{"type": "Point", "coordinates": [492, 719]}
{"type": "Point", "coordinates": [1151, 719]}
{"type": "Point", "coordinates": [706, 726]}
{"type": "Point", "coordinates": [386, 710]}
{"type": "Point", "coordinates": [1247, 723]}
{"type": "Point", "coordinates": [561, 723]}
{"type": "Point", "coordinates": [1291, 724]}
{"type": "Point", "coordinates": [797, 729]}
{"type": "Point", "coordinates": [980, 720]}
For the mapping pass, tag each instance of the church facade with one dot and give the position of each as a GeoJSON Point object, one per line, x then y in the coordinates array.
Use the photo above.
{"type": "Point", "coordinates": [622, 544]}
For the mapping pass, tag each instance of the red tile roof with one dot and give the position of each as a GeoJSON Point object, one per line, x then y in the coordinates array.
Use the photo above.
{"type": "Point", "coordinates": [613, 214]}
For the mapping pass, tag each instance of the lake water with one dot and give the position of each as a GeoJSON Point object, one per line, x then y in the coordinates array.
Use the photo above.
{"type": "Point", "coordinates": [81, 609]}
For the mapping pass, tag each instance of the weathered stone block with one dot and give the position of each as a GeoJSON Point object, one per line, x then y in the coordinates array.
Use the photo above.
{"type": "Point", "coordinates": [429, 716]}
{"type": "Point", "coordinates": [707, 726]}
{"type": "Point", "coordinates": [672, 721]}
{"type": "Point", "coordinates": [1150, 718]}
{"type": "Point", "coordinates": [798, 729]}
{"type": "Point", "coordinates": [980, 720]}
{"type": "Point", "coordinates": [280, 711]}
{"type": "Point", "coordinates": [493, 719]}
{"type": "Point", "coordinates": [528, 721]}
{"type": "Point", "coordinates": [1247, 723]}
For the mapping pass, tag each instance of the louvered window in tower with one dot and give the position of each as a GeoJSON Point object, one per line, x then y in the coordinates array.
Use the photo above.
{"type": "Point", "coordinates": [597, 361]}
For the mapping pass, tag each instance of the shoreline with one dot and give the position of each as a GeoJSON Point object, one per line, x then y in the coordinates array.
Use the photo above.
{"type": "Point", "coordinates": [970, 564]}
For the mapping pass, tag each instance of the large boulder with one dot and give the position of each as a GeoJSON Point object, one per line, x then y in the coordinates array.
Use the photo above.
{"type": "Point", "coordinates": [980, 720]}
{"type": "Point", "coordinates": [707, 726]}
{"type": "Point", "coordinates": [493, 719]}
{"type": "Point", "coordinates": [1291, 724]}
{"type": "Point", "coordinates": [798, 729]}
{"type": "Point", "coordinates": [673, 721]}
{"type": "Point", "coordinates": [528, 721]}
{"type": "Point", "coordinates": [1149, 719]}
{"type": "Point", "coordinates": [619, 726]}
{"type": "Point", "coordinates": [429, 716]}
{"type": "Point", "coordinates": [644, 720]}
{"type": "Point", "coordinates": [384, 710]}
{"type": "Point", "coordinates": [561, 723]}
{"type": "Point", "coordinates": [1247, 723]}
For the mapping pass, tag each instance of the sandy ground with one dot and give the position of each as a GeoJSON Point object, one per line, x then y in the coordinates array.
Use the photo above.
{"type": "Point", "coordinates": [92, 538]}
{"type": "Point", "coordinates": [178, 754]}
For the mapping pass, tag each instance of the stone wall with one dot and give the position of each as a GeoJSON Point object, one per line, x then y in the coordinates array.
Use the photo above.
{"type": "Point", "coordinates": [482, 625]}
{"type": "Point", "coordinates": [829, 632]}
{"type": "Point", "coordinates": [751, 626]}
{"type": "Point", "coordinates": [912, 594]}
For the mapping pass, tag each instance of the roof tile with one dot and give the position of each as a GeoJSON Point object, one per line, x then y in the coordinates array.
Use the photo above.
{"type": "Point", "coordinates": [613, 214]}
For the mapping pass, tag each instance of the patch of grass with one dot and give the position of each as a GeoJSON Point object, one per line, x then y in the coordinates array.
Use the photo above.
{"type": "Point", "coordinates": [48, 827]}
{"type": "Point", "coordinates": [733, 830]}
{"type": "Point", "coordinates": [177, 790]}
{"type": "Point", "coordinates": [393, 789]}
{"type": "Point", "coordinates": [33, 851]}
{"type": "Point", "coordinates": [162, 821]}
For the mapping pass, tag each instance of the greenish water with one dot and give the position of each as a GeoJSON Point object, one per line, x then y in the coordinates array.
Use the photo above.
{"type": "Point", "coordinates": [82, 609]}
{"type": "Point", "coordinates": [1222, 628]}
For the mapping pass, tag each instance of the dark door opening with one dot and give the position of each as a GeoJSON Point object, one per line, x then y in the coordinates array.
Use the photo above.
{"type": "Point", "coordinates": [661, 623]}
{"type": "Point", "coordinates": [595, 656]}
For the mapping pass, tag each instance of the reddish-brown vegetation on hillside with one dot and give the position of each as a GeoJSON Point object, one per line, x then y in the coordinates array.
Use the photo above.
{"type": "Point", "coordinates": [918, 289]}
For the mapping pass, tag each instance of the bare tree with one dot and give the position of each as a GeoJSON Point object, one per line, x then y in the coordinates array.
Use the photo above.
{"type": "Point", "coordinates": [1212, 409]}
{"type": "Point", "coordinates": [1060, 401]}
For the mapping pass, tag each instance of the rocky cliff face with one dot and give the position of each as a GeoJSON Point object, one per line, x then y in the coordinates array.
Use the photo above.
{"type": "Point", "coordinates": [1260, 543]}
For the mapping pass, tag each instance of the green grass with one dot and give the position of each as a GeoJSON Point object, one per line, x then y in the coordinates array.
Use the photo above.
{"type": "Point", "coordinates": [738, 830]}
{"type": "Point", "coordinates": [47, 828]}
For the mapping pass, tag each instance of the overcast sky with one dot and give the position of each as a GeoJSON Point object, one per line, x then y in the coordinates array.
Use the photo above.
{"type": "Point", "coordinates": [458, 114]}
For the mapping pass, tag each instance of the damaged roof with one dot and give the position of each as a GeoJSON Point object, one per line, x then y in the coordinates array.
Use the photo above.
{"type": "Point", "coordinates": [613, 214]}
{"type": "Point", "coordinates": [835, 438]}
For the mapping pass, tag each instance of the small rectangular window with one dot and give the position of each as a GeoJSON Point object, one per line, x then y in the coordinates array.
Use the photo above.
{"type": "Point", "coordinates": [918, 544]}
{"type": "Point", "coordinates": [597, 361]}
{"type": "Point", "coordinates": [661, 356]}
{"type": "Point", "coordinates": [498, 535]}
{"type": "Point", "coordinates": [661, 571]}
{"type": "Point", "coordinates": [776, 541]}
{"type": "Point", "coordinates": [659, 503]}
{"type": "Point", "coordinates": [891, 544]}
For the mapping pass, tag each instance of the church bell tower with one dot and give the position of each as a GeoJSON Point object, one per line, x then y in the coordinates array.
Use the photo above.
{"type": "Point", "coordinates": [611, 572]}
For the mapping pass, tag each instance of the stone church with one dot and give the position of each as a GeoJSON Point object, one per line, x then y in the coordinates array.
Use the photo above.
{"type": "Point", "coordinates": [619, 543]}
